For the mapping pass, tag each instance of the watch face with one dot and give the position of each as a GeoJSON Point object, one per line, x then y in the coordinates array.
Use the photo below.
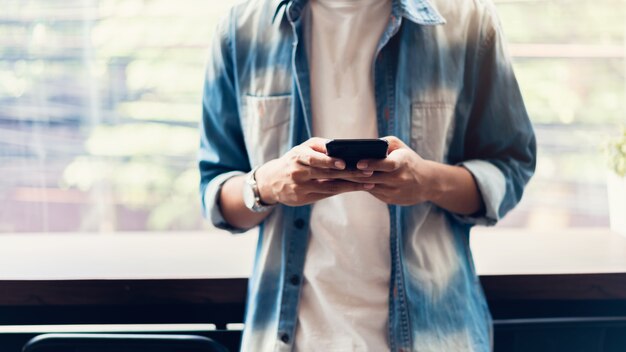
{"type": "Point", "coordinates": [248, 196]}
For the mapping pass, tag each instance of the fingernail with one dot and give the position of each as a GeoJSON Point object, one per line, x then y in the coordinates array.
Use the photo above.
{"type": "Point", "coordinates": [340, 164]}
{"type": "Point", "coordinates": [367, 173]}
{"type": "Point", "coordinates": [361, 165]}
{"type": "Point", "coordinates": [368, 186]}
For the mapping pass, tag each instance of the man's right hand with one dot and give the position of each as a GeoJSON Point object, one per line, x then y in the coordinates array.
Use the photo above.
{"type": "Point", "coordinates": [305, 175]}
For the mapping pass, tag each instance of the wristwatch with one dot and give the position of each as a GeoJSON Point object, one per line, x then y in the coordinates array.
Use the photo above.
{"type": "Point", "coordinates": [251, 195]}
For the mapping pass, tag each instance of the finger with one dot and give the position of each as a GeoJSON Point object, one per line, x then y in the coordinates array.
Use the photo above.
{"type": "Point", "coordinates": [384, 165]}
{"type": "Point", "coordinates": [318, 144]}
{"type": "Point", "coordinates": [317, 159]}
{"type": "Point", "coordinates": [377, 178]}
{"type": "Point", "coordinates": [382, 192]}
{"type": "Point", "coordinates": [382, 189]}
{"type": "Point", "coordinates": [339, 186]}
{"type": "Point", "coordinates": [320, 173]}
{"type": "Point", "coordinates": [394, 143]}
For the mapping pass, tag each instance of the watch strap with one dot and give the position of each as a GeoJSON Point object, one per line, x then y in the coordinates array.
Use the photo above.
{"type": "Point", "coordinates": [258, 206]}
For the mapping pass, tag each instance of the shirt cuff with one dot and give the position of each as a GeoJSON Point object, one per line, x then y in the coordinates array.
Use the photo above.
{"type": "Point", "coordinates": [492, 187]}
{"type": "Point", "coordinates": [211, 202]}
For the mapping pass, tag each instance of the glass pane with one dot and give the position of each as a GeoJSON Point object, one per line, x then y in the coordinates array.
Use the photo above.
{"type": "Point", "coordinates": [100, 104]}
{"type": "Point", "coordinates": [569, 58]}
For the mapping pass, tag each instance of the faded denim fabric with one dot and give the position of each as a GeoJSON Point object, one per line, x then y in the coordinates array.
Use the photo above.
{"type": "Point", "coordinates": [444, 85]}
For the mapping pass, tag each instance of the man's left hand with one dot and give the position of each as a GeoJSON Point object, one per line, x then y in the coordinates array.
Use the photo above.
{"type": "Point", "coordinates": [403, 178]}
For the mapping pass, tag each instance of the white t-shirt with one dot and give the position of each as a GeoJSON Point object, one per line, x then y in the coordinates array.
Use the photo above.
{"type": "Point", "coordinates": [345, 292]}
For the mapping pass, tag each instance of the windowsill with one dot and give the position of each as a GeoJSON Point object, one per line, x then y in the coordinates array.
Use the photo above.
{"type": "Point", "coordinates": [500, 251]}
{"type": "Point", "coordinates": [202, 277]}
{"type": "Point", "coordinates": [126, 256]}
{"type": "Point", "coordinates": [198, 255]}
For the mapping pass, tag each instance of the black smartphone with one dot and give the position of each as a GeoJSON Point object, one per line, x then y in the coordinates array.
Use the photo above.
{"type": "Point", "coordinates": [353, 150]}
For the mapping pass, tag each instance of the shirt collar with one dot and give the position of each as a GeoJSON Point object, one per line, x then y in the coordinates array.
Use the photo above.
{"type": "Point", "coordinates": [418, 11]}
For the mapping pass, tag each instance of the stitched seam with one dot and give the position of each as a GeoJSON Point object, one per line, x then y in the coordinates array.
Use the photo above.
{"type": "Point", "coordinates": [392, 310]}
{"type": "Point", "coordinates": [284, 294]}
{"type": "Point", "coordinates": [401, 294]}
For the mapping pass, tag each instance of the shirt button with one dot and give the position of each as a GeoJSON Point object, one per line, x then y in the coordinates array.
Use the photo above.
{"type": "Point", "coordinates": [284, 337]}
{"type": "Point", "coordinates": [294, 279]}
{"type": "Point", "coordinates": [299, 224]}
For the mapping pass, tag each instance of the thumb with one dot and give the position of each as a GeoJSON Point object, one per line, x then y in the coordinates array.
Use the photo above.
{"type": "Point", "coordinates": [318, 144]}
{"type": "Point", "coordinates": [394, 143]}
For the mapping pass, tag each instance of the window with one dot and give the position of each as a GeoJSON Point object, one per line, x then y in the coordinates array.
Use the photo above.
{"type": "Point", "coordinates": [100, 105]}
{"type": "Point", "coordinates": [100, 99]}
{"type": "Point", "coordinates": [569, 58]}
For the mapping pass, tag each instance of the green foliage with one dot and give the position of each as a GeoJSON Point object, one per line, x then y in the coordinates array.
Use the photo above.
{"type": "Point", "coordinates": [563, 21]}
{"type": "Point", "coordinates": [616, 152]}
{"type": "Point", "coordinates": [138, 166]}
{"type": "Point", "coordinates": [181, 208]}
{"type": "Point", "coordinates": [566, 91]}
{"type": "Point", "coordinates": [156, 140]}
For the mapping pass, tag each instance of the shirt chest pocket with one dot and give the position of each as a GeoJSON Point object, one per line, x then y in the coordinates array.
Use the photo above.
{"type": "Point", "coordinates": [432, 126]}
{"type": "Point", "coordinates": [265, 123]}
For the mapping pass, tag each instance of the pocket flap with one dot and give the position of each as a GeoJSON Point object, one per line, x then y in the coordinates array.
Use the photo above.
{"type": "Point", "coordinates": [268, 111]}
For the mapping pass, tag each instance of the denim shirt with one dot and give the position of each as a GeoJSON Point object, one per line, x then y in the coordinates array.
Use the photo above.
{"type": "Point", "coordinates": [444, 85]}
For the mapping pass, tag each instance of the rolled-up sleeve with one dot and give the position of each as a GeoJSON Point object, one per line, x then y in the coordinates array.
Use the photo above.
{"type": "Point", "coordinates": [492, 187]}
{"type": "Point", "coordinates": [222, 153]}
{"type": "Point", "coordinates": [499, 144]}
{"type": "Point", "coordinates": [211, 201]}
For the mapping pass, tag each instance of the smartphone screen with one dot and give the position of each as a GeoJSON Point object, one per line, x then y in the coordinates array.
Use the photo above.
{"type": "Point", "coordinates": [353, 150]}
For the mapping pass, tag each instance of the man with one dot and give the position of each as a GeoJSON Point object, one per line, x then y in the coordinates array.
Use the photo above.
{"type": "Point", "coordinates": [377, 258]}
